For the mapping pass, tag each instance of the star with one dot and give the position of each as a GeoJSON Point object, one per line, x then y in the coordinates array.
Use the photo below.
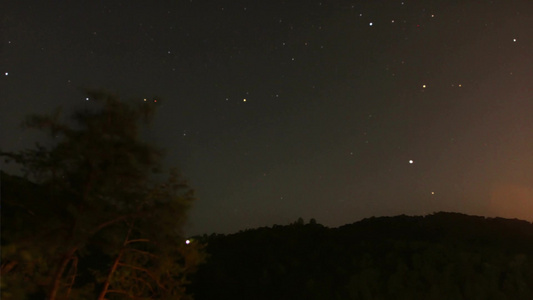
{"type": "Point", "coordinates": [308, 85]}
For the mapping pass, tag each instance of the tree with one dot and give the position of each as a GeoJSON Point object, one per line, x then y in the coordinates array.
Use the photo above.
{"type": "Point", "coordinates": [98, 192]}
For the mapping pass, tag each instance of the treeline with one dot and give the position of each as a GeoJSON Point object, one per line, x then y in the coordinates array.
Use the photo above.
{"type": "Point", "coordinates": [440, 256]}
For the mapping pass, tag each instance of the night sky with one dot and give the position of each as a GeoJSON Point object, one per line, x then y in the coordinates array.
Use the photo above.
{"type": "Point", "coordinates": [275, 110]}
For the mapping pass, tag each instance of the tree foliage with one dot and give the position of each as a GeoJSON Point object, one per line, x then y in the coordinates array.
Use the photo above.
{"type": "Point", "coordinates": [94, 215]}
{"type": "Point", "coordinates": [440, 256]}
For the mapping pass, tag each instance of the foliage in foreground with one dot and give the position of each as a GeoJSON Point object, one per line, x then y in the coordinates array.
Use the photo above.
{"type": "Point", "coordinates": [94, 217]}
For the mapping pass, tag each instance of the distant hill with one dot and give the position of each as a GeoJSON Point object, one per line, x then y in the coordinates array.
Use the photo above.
{"type": "Point", "coordinates": [440, 256]}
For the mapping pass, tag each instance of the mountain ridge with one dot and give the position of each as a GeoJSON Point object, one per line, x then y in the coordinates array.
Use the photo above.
{"type": "Point", "coordinates": [439, 256]}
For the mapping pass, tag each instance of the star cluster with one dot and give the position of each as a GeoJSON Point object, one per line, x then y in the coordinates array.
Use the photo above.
{"type": "Point", "coordinates": [334, 110]}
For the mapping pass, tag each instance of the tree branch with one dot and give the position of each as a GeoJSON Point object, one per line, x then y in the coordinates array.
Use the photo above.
{"type": "Point", "coordinates": [137, 240]}
{"type": "Point", "coordinates": [145, 271]}
{"type": "Point", "coordinates": [6, 267]}
{"type": "Point", "coordinates": [123, 292]}
{"type": "Point", "coordinates": [142, 252]}
{"type": "Point", "coordinates": [137, 278]}
{"type": "Point", "coordinates": [113, 221]}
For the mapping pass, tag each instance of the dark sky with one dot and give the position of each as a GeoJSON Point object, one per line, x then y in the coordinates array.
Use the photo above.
{"type": "Point", "coordinates": [274, 110]}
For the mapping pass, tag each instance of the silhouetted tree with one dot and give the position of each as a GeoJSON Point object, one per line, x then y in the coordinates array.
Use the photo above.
{"type": "Point", "coordinates": [99, 189]}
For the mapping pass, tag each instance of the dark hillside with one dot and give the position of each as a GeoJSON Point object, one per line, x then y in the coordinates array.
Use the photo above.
{"type": "Point", "coordinates": [440, 256]}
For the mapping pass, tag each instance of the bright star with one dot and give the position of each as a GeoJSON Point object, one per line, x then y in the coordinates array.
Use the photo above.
{"type": "Point", "coordinates": [411, 161]}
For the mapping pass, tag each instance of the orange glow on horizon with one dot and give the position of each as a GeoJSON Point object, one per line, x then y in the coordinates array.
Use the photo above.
{"type": "Point", "coordinates": [512, 201]}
